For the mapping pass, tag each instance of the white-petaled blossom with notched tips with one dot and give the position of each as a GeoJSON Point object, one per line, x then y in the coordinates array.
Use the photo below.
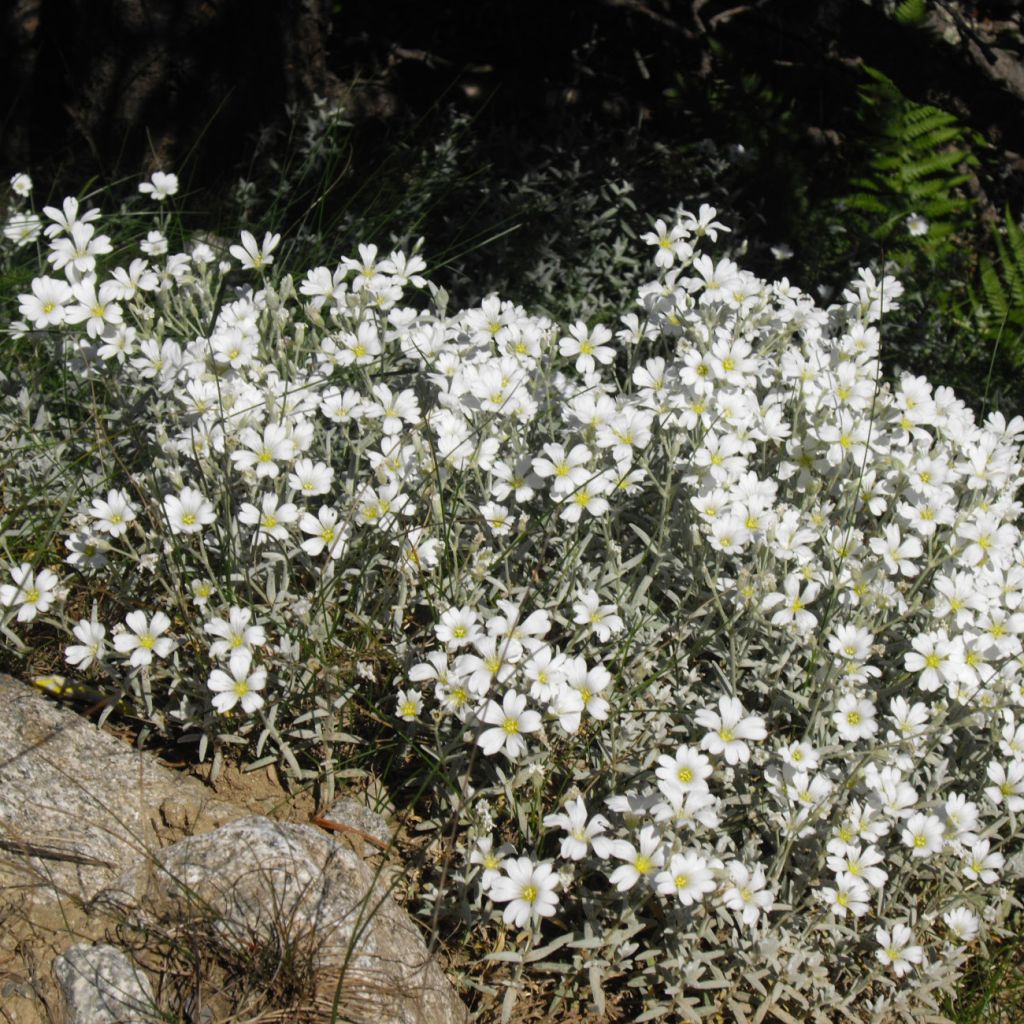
{"type": "Point", "coordinates": [409, 705]}
{"type": "Point", "coordinates": [458, 627]}
{"type": "Point", "coordinates": [581, 834]}
{"type": "Point", "coordinates": [91, 646]}
{"type": "Point", "coordinates": [640, 864]}
{"type": "Point", "coordinates": [923, 834]}
{"type": "Point", "coordinates": [144, 638]}
{"type": "Point", "coordinates": [747, 892]}
{"type": "Point", "coordinates": [252, 255]}
{"type": "Point", "coordinates": [792, 604]}
{"type": "Point", "coordinates": [850, 895]}
{"type": "Point", "coordinates": [262, 454]}
{"type": "Point", "coordinates": [188, 511]}
{"type": "Point", "coordinates": [271, 519]}
{"type": "Point", "coordinates": [32, 592]}
{"type": "Point", "coordinates": [687, 877]}
{"type": "Point", "coordinates": [528, 889]}
{"type": "Point", "coordinates": [113, 514]}
{"type": "Point", "coordinates": [590, 347]}
{"type": "Point", "coordinates": [963, 923]}
{"type": "Point", "coordinates": [160, 186]}
{"type": "Point", "coordinates": [21, 184]}
{"type": "Point", "coordinates": [602, 619]}
{"type": "Point", "coordinates": [982, 864]}
{"type": "Point", "coordinates": [730, 729]}
{"type": "Point", "coordinates": [510, 720]}
{"type": "Point", "coordinates": [590, 682]}
{"type": "Point", "coordinates": [239, 684]}
{"type": "Point", "coordinates": [896, 949]}
{"type": "Point", "coordinates": [1008, 785]}
{"type": "Point", "coordinates": [236, 632]}
{"type": "Point", "coordinates": [325, 533]}
{"type": "Point", "coordinates": [310, 479]}
{"type": "Point", "coordinates": [484, 855]}
{"type": "Point", "coordinates": [45, 305]}
{"type": "Point", "coordinates": [859, 864]}
{"type": "Point", "coordinates": [685, 772]}
{"type": "Point", "coordinates": [854, 718]}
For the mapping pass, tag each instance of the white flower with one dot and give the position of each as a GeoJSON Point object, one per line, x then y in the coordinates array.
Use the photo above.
{"type": "Point", "coordinates": [849, 896]}
{"type": "Point", "coordinates": [489, 859]}
{"type": "Point", "coordinates": [793, 603]}
{"type": "Point", "coordinates": [581, 833]}
{"type": "Point", "coordinates": [859, 864]}
{"type": "Point", "coordinates": [253, 256]}
{"type": "Point", "coordinates": [747, 893]}
{"type": "Point", "coordinates": [325, 532]}
{"type": "Point", "coordinates": [90, 648]}
{"type": "Point", "coordinates": [730, 727]}
{"type": "Point", "coordinates": [603, 619]}
{"type": "Point", "coordinates": [855, 718]}
{"type": "Point", "coordinates": [44, 307]}
{"type": "Point", "coordinates": [113, 515]}
{"type": "Point", "coordinates": [271, 519]}
{"type": "Point", "coordinates": [263, 453]}
{"type": "Point", "coordinates": [639, 863]}
{"type": "Point", "coordinates": [21, 184]}
{"type": "Point", "coordinates": [160, 186]}
{"type": "Point", "coordinates": [32, 592]}
{"type": "Point", "coordinates": [238, 684]}
{"type": "Point", "coordinates": [923, 834]}
{"type": "Point", "coordinates": [144, 639]}
{"type": "Point", "coordinates": [963, 923]}
{"type": "Point", "coordinates": [189, 511]}
{"type": "Point", "coordinates": [591, 684]}
{"type": "Point", "coordinates": [23, 228]}
{"type": "Point", "coordinates": [410, 705]}
{"type": "Point", "coordinates": [1008, 784]}
{"type": "Point", "coordinates": [683, 773]}
{"type": "Point", "coordinates": [982, 866]}
{"type": "Point", "coordinates": [916, 225]}
{"type": "Point", "coordinates": [589, 347]}
{"type": "Point", "coordinates": [896, 949]}
{"type": "Point", "coordinates": [234, 633]}
{"type": "Point", "coordinates": [458, 627]}
{"type": "Point", "coordinates": [687, 877]}
{"type": "Point", "coordinates": [309, 478]}
{"type": "Point", "coordinates": [527, 888]}
{"type": "Point", "coordinates": [510, 720]}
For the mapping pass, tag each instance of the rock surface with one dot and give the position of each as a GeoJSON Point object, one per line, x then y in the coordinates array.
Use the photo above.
{"type": "Point", "coordinates": [100, 985]}
{"type": "Point", "coordinates": [91, 840]}
{"type": "Point", "coordinates": [79, 806]}
{"type": "Point", "coordinates": [257, 884]}
{"type": "Point", "coordinates": [350, 811]}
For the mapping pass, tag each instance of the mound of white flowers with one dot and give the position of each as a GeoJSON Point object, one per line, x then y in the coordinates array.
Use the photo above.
{"type": "Point", "coordinates": [705, 639]}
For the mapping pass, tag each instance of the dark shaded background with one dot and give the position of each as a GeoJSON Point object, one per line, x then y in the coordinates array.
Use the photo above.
{"type": "Point", "coordinates": [112, 87]}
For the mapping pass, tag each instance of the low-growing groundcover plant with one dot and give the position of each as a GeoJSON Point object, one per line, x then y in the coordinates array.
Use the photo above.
{"type": "Point", "coordinates": [700, 640]}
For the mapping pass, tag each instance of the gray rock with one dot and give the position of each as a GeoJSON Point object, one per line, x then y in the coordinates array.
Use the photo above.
{"type": "Point", "coordinates": [79, 806]}
{"type": "Point", "coordinates": [348, 810]}
{"type": "Point", "coordinates": [256, 883]}
{"type": "Point", "coordinates": [100, 985]}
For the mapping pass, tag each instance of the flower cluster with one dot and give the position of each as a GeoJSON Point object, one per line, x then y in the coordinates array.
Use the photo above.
{"type": "Point", "coordinates": [712, 626]}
